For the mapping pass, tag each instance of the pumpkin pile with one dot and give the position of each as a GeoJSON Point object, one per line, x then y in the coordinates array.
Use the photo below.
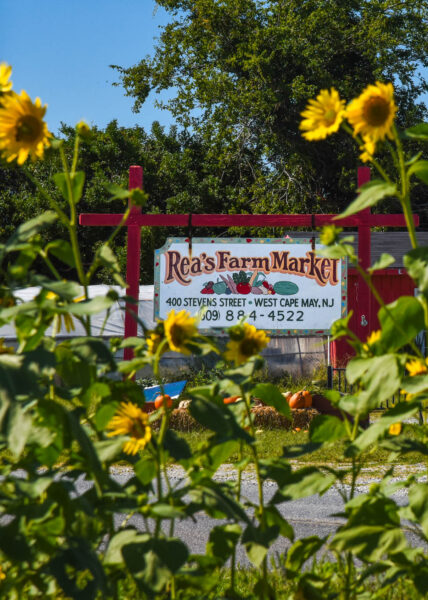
{"type": "Point", "coordinates": [300, 399]}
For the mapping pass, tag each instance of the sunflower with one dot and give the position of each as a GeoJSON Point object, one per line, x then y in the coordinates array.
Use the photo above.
{"type": "Point", "coordinates": [2, 575]}
{"type": "Point", "coordinates": [322, 116]}
{"type": "Point", "coordinates": [131, 420]}
{"type": "Point", "coordinates": [395, 429]}
{"type": "Point", "coordinates": [245, 344]}
{"type": "Point", "coordinates": [368, 149]}
{"type": "Point", "coordinates": [417, 366]}
{"type": "Point", "coordinates": [372, 113]}
{"type": "Point", "coordinates": [68, 319]}
{"type": "Point", "coordinates": [180, 328]}
{"type": "Point", "coordinates": [329, 235]}
{"type": "Point", "coordinates": [372, 339]}
{"type": "Point", "coordinates": [22, 129]}
{"type": "Point", "coordinates": [5, 73]}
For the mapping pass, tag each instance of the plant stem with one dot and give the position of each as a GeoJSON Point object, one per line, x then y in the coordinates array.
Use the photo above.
{"type": "Point", "coordinates": [53, 203]}
{"type": "Point", "coordinates": [405, 191]}
{"type": "Point", "coordinates": [238, 499]}
{"type": "Point", "coordinates": [258, 476]}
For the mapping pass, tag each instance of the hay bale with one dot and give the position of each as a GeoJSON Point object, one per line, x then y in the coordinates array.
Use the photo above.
{"type": "Point", "coordinates": [267, 417]}
{"type": "Point", "coordinates": [182, 420]}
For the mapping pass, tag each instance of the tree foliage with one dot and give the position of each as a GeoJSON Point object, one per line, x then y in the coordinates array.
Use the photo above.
{"type": "Point", "coordinates": [243, 70]}
{"type": "Point", "coordinates": [180, 175]}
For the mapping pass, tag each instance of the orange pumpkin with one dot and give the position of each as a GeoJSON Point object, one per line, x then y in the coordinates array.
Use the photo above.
{"type": "Point", "coordinates": [231, 399]}
{"type": "Point", "coordinates": [164, 400]}
{"type": "Point", "coordinates": [301, 399]}
{"type": "Point", "coordinates": [287, 396]}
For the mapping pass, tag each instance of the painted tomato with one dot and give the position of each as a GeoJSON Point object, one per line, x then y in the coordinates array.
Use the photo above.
{"type": "Point", "coordinates": [243, 288]}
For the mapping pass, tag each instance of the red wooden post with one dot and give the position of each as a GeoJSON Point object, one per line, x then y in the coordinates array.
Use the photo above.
{"type": "Point", "coordinates": [133, 263]}
{"type": "Point", "coordinates": [363, 322]}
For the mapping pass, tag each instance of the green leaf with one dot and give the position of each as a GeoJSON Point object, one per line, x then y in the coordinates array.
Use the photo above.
{"type": "Point", "coordinates": [418, 132]}
{"type": "Point", "coordinates": [401, 321]}
{"type": "Point", "coordinates": [176, 446]}
{"type": "Point", "coordinates": [302, 483]}
{"type": "Point", "coordinates": [113, 555]}
{"type": "Point", "coordinates": [415, 384]}
{"type": "Point", "coordinates": [76, 184]}
{"type": "Point", "coordinates": [91, 307]}
{"type": "Point", "coordinates": [223, 540]}
{"type": "Point", "coordinates": [108, 450]}
{"type": "Point", "coordinates": [218, 419]}
{"type": "Point", "coordinates": [384, 261]}
{"type": "Point", "coordinates": [93, 351]}
{"type": "Point", "coordinates": [153, 563]}
{"type": "Point", "coordinates": [369, 195]}
{"type": "Point", "coordinates": [379, 376]}
{"type": "Point", "coordinates": [216, 499]}
{"type": "Point", "coordinates": [301, 551]}
{"type": "Point", "coordinates": [145, 470]}
{"type": "Point", "coordinates": [33, 489]}
{"type": "Point", "coordinates": [95, 393]}
{"type": "Point", "coordinates": [62, 250]}
{"type": "Point", "coordinates": [29, 229]}
{"type": "Point", "coordinates": [257, 542]}
{"type": "Point", "coordinates": [275, 519]}
{"type": "Point", "coordinates": [117, 193]}
{"type": "Point", "coordinates": [270, 395]}
{"type": "Point", "coordinates": [327, 428]}
{"type": "Point", "coordinates": [418, 500]}
{"type": "Point", "coordinates": [104, 415]}
{"type": "Point", "coordinates": [403, 410]}
{"type": "Point", "coordinates": [107, 259]}
{"type": "Point", "coordinates": [166, 511]}
{"type": "Point", "coordinates": [420, 169]}
{"type": "Point", "coordinates": [416, 263]}
{"type": "Point", "coordinates": [65, 289]}
{"type": "Point", "coordinates": [370, 542]}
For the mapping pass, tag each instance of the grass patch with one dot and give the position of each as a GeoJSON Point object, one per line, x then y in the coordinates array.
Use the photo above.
{"type": "Point", "coordinates": [270, 444]}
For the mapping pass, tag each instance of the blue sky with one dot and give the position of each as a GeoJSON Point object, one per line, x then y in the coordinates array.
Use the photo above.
{"type": "Point", "coordinates": [60, 50]}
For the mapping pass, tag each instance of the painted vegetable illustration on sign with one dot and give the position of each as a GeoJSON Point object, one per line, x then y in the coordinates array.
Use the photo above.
{"type": "Point", "coordinates": [242, 282]}
{"type": "Point", "coordinates": [248, 283]}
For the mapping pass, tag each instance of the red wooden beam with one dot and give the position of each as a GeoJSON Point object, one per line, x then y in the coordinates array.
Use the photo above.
{"type": "Point", "coordinates": [217, 220]}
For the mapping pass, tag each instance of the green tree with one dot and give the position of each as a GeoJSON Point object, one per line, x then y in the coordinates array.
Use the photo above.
{"type": "Point", "coordinates": [243, 70]}
{"type": "Point", "coordinates": [180, 175]}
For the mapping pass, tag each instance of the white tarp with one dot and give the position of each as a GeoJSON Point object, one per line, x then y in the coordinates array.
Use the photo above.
{"type": "Point", "coordinates": [113, 327]}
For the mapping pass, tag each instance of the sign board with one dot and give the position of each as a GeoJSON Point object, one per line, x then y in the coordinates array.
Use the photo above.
{"type": "Point", "coordinates": [280, 285]}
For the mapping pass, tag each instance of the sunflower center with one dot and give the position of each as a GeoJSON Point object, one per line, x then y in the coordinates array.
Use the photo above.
{"type": "Point", "coordinates": [28, 129]}
{"type": "Point", "coordinates": [376, 111]}
{"type": "Point", "coordinates": [330, 116]}
{"type": "Point", "coordinates": [178, 335]}
{"type": "Point", "coordinates": [249, 347]}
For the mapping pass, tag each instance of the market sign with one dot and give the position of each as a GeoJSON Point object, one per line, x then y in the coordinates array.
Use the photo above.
{"type": "Point", "coordinates": [280, 285]}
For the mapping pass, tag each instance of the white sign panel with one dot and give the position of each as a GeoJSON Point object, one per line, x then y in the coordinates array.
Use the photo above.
{"type": "Point", "coordinates": [280, 285]}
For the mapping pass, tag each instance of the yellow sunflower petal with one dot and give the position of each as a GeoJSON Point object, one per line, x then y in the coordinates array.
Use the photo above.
{"type": "Point", "coordinates": [133, 421]}
{"type": "Point", "coordinates": [5, 73]}
{"type": "Point", "coordinates": [23, 132]}
{"type": "Point", "coordinates": [323, 115]}
{"type": "Point", "coordinates": [251, 343]}
{"type": "Point", "coordinates": [180, 328]}
{"type": "Point", "coordinates": [372, 113]}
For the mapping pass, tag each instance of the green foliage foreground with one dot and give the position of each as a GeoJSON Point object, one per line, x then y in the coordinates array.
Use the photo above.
{"type": "Point", "coordinates": [58, 400]}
